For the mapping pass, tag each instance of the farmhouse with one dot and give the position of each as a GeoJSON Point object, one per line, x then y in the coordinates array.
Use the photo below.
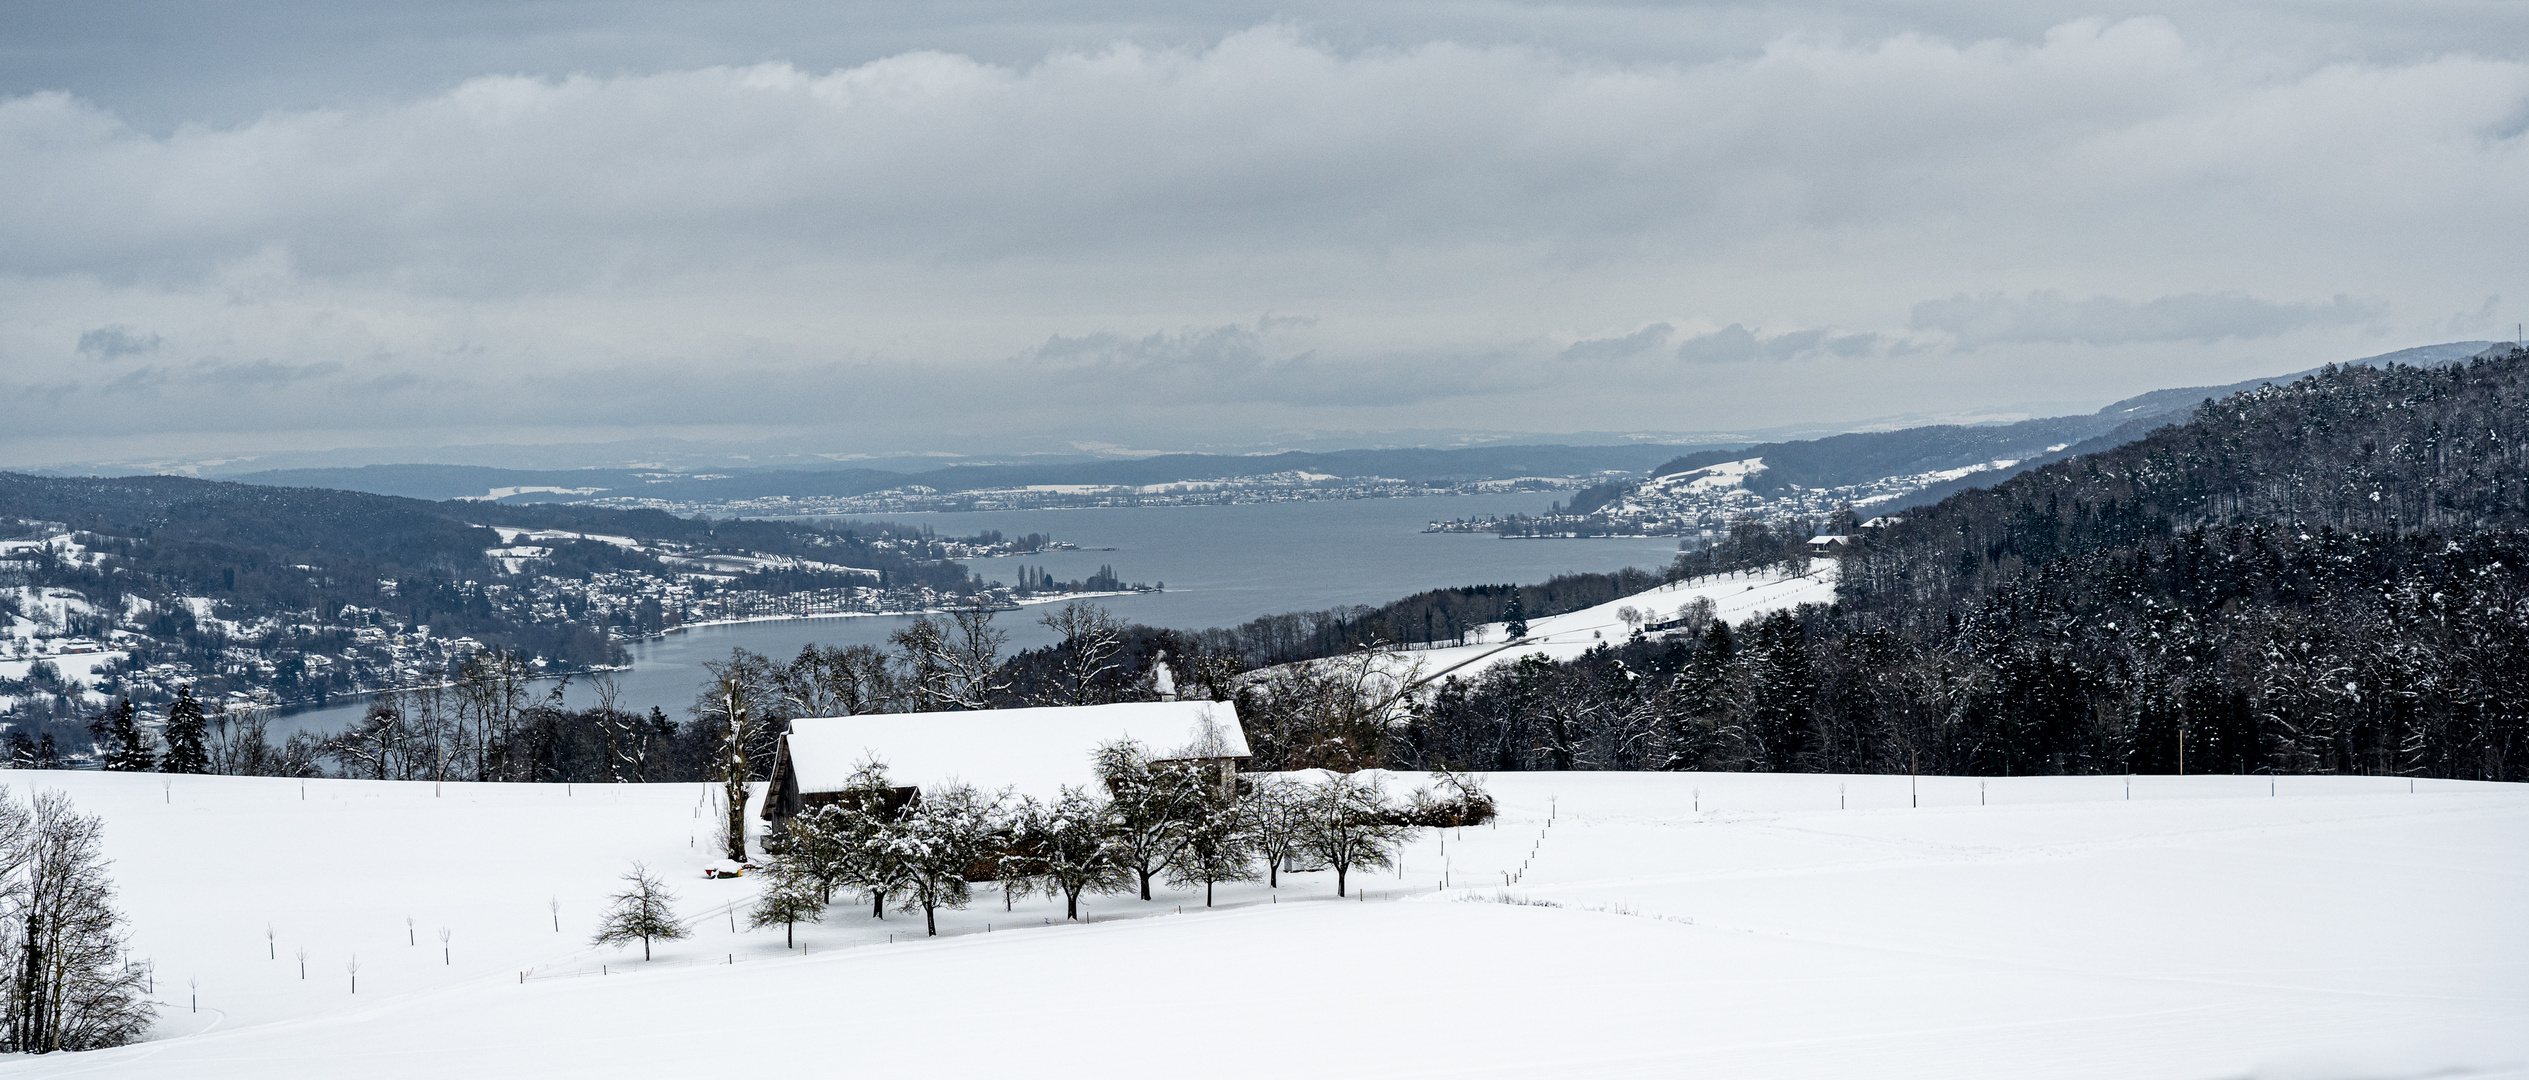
{"type": "Point", "coordinates": [1031, 751]}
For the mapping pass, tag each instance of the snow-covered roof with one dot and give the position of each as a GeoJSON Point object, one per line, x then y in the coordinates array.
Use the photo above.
{"type": "Point", "coordinates": [1035, 751]}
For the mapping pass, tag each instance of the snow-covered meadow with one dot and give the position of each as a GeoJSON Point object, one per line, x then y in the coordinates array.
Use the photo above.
{"type": "Point", "coordinates": [1735, 598]}
{"type": "Point", "coordinates": [1704, 924]}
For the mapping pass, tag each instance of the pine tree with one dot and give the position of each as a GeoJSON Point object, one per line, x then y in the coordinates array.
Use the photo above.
{"type": "Point", "coordinates": [120, 740]}
{"type": "Point", "coordinates": [1516, 614]}
{"type": "Point", "coordinates": [188, 732]}
{"type": "Point", "coordinates": [644, 910]}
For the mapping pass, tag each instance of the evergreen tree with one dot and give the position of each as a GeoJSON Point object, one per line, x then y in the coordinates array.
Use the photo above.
{"type": "Point", "coordinates": [644, 910]}
{"type": "Point", "coordinates": [1516, 615]}
{"type": "Point", "coordinates": [121, 743]}
{"type": "Point", "coordinates": [188, 733]}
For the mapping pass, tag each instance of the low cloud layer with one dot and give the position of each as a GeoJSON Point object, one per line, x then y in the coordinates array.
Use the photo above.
{"type": "Point", "coordinates": [1268, 229]}
{"type": "Point", "coordinates": [2203, 318]}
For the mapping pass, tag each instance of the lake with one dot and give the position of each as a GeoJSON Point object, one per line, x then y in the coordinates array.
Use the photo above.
{"type": "Point", "coordinates": [1222, 565]}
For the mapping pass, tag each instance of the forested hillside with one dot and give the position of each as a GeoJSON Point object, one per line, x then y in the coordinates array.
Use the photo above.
{"type": "Point", "coordinates": [262, 595]}
{"type": "Point", "coordinates": [2326, 576]}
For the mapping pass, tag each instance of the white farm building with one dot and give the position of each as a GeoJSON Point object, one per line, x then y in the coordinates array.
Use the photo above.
{"type": "Point", "coordinates": [1030, 751]}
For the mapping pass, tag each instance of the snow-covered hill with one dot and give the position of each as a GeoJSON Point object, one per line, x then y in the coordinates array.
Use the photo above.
{"type": "Point", "coordinates": [1725, 925]}
{"type": "Point", "coordinates": [1735, 598]}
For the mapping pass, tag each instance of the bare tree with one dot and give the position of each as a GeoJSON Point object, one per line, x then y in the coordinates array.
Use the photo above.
{"type": "Point", "coordinates": [1334, 713]}
{"type": "Point", "coordinates": [940, 837]}
{"type": "Point", "coordinates": [791, 893]}
{"type": "Point", "coordinates": [1278, 817]}
{"type": "Point", "coordinates": [643, 911]}
{"type": "Point", "coordinates": [1149, 804]}
{"type": "Point", "coordinates": [1087, 657]}
{"type": "Point", "coordinates": [68, 987]}
{"type": "Point", "coordinates": [974, 653]}
{"type": "Point", "coordinates": [370, 747]}
{"type": "Point", "coordinates": [953, 665]}
{"type": "Point", "coordinates": [1218, 846]}
{"type": "Point", "coordinates": [1074, 849]}
{"type": "Point", "coordinates": [1351, 824]}
{"type": "Point", "coordinates": [839, 681]}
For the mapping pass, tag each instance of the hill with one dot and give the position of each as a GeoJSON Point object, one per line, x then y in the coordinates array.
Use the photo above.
{"type": "Point", "coordinates": [260, 595]}
{"type": "Point", "coordinates": [1418, 467]}
{"type": "Point", "coordinates": [1697, 495]}
{"type": "Point", "coordinates": [2325, 576]}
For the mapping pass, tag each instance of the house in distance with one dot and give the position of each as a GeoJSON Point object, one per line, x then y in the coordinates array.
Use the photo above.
{"type": "Point", "coordinates": [1030, 751]}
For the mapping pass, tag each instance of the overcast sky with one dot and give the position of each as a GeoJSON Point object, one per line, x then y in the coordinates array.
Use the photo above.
{"type": "Point", "coordinates": [989, 227]}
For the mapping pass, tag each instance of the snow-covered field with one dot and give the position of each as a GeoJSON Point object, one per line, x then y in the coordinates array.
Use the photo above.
{"type": "Point", "coordinates": [1735, 598]}
{"type": "Point", "coordinates": [1709, 925]}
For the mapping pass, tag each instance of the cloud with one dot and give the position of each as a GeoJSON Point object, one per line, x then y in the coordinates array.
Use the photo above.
{"type": "Point", "coordinates": [1619, 348]}
{"type": "Point", "coordinates": [112, 342]}
{"type": "Point", "coordinates": [2049, 317]}
{"type": "Point", "coordinates": [1734, 344]}
{"type": "Point", "coordinates": [1081, 237]}
{"type": "Point", "coordinates": [218, 378]}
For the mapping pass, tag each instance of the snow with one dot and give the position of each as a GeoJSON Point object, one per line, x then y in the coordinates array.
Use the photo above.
{"type": "Point", "coordinates": [79, 667]}
{"type": "Point", "coordinates": [1735, 598]}
{"type": "Point", "coordinates": [1032, 751]}
{"type": "Point", "coordinates": [2338, 927]}
{"type": "Point", "coordinates": [499, 493]}
{"type": "Point", "coordinates": [1712, 478]}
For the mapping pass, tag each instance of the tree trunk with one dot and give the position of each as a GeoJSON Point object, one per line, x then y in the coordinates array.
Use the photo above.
{"type": "Point", "coordinates": [1340, 869]}
{"type": "Point", "coordinates": [930, 920]}
{"type": "Point", "coordinates": [735, 791]}
{"type": "Point", "coordinates": [645, 948]}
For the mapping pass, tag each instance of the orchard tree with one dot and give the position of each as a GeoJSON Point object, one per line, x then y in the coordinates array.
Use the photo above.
{"type": "Point", "coordinates": [1218, 846]}
{"type": "Point", "coordinates": [1351, 824]}
{"type": "Point", "coordinates": [643, 911]}
{"type": "Point", "coordinates": [1075, 849]}
{"type": "Point", "coordinates": [1278, 815]}
{"type": "Point", "coordinates": [1148, 806]}
{"type": "Point", "coordinates": [792, 892]}
{"type": "Point", "coordinates": [944, 834]}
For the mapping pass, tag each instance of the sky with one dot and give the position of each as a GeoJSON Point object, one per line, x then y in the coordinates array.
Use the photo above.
{"type": "Point", "coordinates": [235, 229]}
